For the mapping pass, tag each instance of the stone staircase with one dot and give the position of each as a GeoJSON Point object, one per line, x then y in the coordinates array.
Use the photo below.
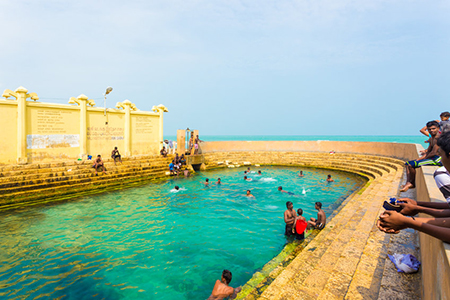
{"type": "Point", "coordinates": [37, 183]}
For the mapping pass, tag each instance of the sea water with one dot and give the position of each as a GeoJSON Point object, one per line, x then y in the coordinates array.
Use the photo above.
{"type": "Point", "coordinates": [154, 243]}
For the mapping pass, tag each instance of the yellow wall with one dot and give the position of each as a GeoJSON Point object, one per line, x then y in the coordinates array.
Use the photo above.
{"type": "Point", "coordinates": [101, 137]}
{"type": "Point", "coordinates": [53, 131]}
{"type": "Point", "coordinates": [8, 132]}
{"type": "Point", "coordinates": [145, 138]}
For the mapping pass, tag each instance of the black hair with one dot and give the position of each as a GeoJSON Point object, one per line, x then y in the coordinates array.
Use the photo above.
{"type": "Point", "coordinates": [245, 177]}
{"type": "Point", "coordinates": [280, 188]}
{"type": "Point", "coordinates": [445, 114]}
{"type": "Point", "coordinates": [249, 191]}
{"type": "Point", "coordinates": [99, 155]}
{"type": "Point", "coordinates": [207, 179]}
{"type": "Point", "coordinates": [218, 178]}
{"type": "Point", "coordinates": [227, 276]}
{"type": "Point", "coordinates": [288, 203]}
{"type": "Point", "coordinates": [432, 123]}
{"type": "Point", "coordinates": [177, 187]}
{"type": "Point", "coordinates": [300, 211]}
{"type": "Point", "coordinates": [444, 143]}
{"type": "Point", "coordinates": [115, 148]}
{"type": "Point", "coordinates": [329, 176]}
{"type": "Point", "coordinates": [319, 205]}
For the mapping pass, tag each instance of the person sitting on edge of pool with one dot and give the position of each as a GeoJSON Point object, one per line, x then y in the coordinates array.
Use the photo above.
{"type": "Point", "coordinates": [207, 182]}
{"type": "Point", "coordinates": [329, 179]}
{"type": "Point", "coordinates": [280, 188]}
{"type": "Point", "coordinates": [249, 194]}
{"type": "Point", "coordinates": [289, 218]}
{"type": "Point", "coordinates": [247, 179]}
{"type": "Point", "coordinates": [218, 181]}
{"type": "Point", "coordinates": [222, 289]}
{"type": "Point", "coordinates": [300, 174]}
{"type": "Point", "coordinates": [321, 220]}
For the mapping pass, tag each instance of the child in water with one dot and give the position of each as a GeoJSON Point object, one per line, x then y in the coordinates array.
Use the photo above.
{"type": "Point", "coordinates": [300, 225]}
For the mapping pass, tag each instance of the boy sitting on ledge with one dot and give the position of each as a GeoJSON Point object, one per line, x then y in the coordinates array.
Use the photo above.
{"type": "Point", "coordinates": [429, 157]}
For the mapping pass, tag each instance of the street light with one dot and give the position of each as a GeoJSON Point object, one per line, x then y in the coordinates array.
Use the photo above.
{"type": "Point", "coordinates": [108, 90]}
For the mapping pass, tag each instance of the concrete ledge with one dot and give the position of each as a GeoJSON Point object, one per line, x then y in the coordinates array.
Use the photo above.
{"type": "Point", "coordinates": [435, 254]}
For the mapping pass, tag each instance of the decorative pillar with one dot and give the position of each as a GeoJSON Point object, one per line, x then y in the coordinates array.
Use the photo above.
{"type": "Point", "coordinates": [21, 95]}
{"type": "Point", "coordinates": [128, 107]}
{"type": "Point", "coordinates": [181, 141]}
{"type": "Point", "coordinates": [161, 109]}
{"type": "Point", "coordinates": [82, 101]}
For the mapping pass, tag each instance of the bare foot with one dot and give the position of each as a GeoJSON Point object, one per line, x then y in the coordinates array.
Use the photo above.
{"type": "Point", "coordinates": [406, 187]}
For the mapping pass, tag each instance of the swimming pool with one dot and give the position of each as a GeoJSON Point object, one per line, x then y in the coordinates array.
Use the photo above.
{"type": "Point", "coordinates": [151, 243]}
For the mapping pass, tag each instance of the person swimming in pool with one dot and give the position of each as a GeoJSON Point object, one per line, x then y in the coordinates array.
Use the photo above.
{"type": "Point", "coordinates": [249, 194]}
{"type": "Point", "coordinates": [321, 220]}
{"type": "Point", "coordinates": [259, 172]}
{"type": "Point", "coordinates": [207, 182]}
{"type": "Point", "coordinates": [222, 289]}
{"type": "Point", "coordinates": [329, 179]}
{"type": "Point", "coordinates": [300, 174]}
{"type": "Point", "coordinates": [218, 181]}
{"type": "Point", "coordinates": [280, 188]}
{"type": "Point", "coordinates": [247, 179]}
{"type": "Point", "coordinates": [177, 187]}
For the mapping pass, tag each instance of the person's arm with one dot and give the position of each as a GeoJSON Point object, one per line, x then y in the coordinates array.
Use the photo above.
{"type": "Point", "coordinates": [287, 219]}
{"type": "Point", "coordinates": [235, 292]}
{"type": "Point", "coordinates": [432, 152]}
{"type": "Point", "coordinates": [411, 210]}
{"type": "Point", "coordinates": [392, 222]}
{"type": "Point", "coordinates": [424, 131]}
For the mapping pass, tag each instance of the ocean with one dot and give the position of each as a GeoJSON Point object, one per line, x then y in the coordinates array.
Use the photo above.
{"type": "Point", "coordinates": [409, 139]}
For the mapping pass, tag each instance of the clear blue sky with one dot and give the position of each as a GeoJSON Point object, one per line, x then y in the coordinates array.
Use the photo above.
{"type": "Point", "coordinates": [334, 67]}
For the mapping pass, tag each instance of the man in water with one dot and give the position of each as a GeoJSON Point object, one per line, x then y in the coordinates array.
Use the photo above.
{"type": "Point", "coordinates": [329, 179]}
{"type": "Point", "coordinates": [280, 188]}
{"type": "Point", "coordinates": [177, 187]}
{"type": "Point", "coordinates": [247, 179]}
{"type": "Point", "coordinates": [300, 174]}
{"type": "Point", "coordinates": [207, 182]}
{"type": "Point", "coordinates": [222, 289]}
{"type": "Point", "coordinates": [259, 172]}
{"type": "Point", "coordinates": [218, 181]}
{"type": "Point", "coordinates": [249, 194]}
{"type": "Point", "coordinates": [321, 220]}
{"type": "Point", "coordinates": [429, 157]}
{"type": "Point", "coordinates": [289, 218]}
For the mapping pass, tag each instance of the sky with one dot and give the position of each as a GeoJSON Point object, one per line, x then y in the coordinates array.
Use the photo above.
{"type": "Point", "coordinates": [229, 67]}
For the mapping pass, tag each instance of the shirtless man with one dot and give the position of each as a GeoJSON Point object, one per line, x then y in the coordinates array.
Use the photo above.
{"type": "Point", "coordinates": [196, 142]}
{"type": "Point", "coordinates": [222, 289]}
{"type": "Point", "coordinates": [289, 218]}
{"type": "Point", "coordinates": [219, 181]}
{"type": "Point", "coordinates": [329, 179]}
{"type": "Point", "coordinates": [207, 182]}
{"type": "Point", "coordinates": [429, 157]}
{"type": "Point", "coordinates": [98, 162]}
{"type": "Point", "coordinates": [247, 179]}
{"type": "Point", "coordinates": [116, 155]}
{"type": "Point", "coordinates": [249, 194]}
{"type": "Point", "coordinates": [300, 174]}
{"type": "Point", "coordinates": [321, 220]}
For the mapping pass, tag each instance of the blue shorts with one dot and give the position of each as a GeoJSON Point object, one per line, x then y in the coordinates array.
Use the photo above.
{"type": "Point", "coordinates": [433, 161]}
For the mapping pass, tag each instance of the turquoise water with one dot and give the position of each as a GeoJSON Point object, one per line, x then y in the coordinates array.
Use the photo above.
{"type": "Point", "coordinates": [151, 243]}
{"type": "Point", "coordinates": [416, 139]}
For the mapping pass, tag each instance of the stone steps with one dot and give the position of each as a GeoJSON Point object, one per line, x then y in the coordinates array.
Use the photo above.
{"type": "Point", "coordinates": [326, 268]}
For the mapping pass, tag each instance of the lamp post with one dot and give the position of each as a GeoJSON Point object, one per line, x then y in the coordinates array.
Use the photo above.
{"type": "Point", "coordinates": [108, 90]}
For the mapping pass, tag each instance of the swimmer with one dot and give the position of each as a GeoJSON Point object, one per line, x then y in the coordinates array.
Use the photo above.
{"type": "Point", "coordinates": [300, 174]}
{"type": "Point", "coordinates": [207, 182]}
{"type": "Point", "coordinates": [329, 179]}
{"type": "Point", "coordinates": [248, 170]}
{"type": "Point", "coordinates": [245, 172]}
{"type": "Point", "coordinates": [259, 172]}
{"type": "Point", "coordinates": [218, 181]}
{"type": "Point", "coordinates": [280, 188]}
{"type": "Point", "coordinates": [177, 187]}
{"type": "Point", "coordinates": [321, 220]}
{"type": "Point", "coordinates": [247, 179]}
{"type": "Point", "coordinates": [249, 194]}
{"type": "Point", "coordinates": [222, 289]}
